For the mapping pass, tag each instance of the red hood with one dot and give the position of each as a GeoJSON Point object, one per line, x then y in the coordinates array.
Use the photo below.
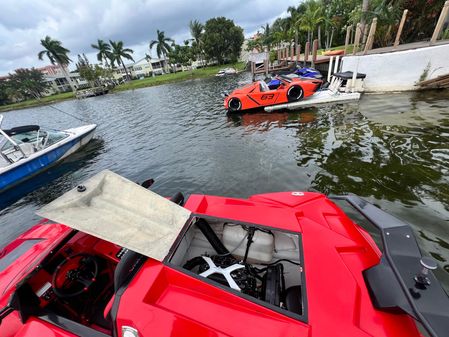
{"type": "Point", "coordinates": [177, 302]}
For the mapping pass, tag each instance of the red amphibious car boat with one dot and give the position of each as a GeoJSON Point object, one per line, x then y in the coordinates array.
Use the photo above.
{"type": "Point", "coordinates": [258, 95]}
{"type": "Point", "coordinates": [130, 263]}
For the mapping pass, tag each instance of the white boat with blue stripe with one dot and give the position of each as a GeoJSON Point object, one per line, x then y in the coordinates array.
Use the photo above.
{"type": "Point", "coordinates": [28, 150]}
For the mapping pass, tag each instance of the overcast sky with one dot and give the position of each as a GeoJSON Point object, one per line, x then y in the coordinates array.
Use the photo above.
{"type": "Point", "coordinates": [79, 23]}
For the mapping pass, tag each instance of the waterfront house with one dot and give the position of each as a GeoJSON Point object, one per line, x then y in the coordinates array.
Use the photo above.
{"type": "Point", "coordinates": [56, 78]}
{"type": "Point", "coordinates": [142, 68]}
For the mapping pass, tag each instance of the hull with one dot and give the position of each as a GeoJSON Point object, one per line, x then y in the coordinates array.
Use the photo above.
{"type": "Point", "coordinates": [43, 160]}
{"type": "Point", "coordinates": [341, 284]}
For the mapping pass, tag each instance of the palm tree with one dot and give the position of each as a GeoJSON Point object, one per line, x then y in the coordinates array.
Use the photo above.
{"type": "Point", "coordinates": [162, 46]}
{"type": "Point", "coordinates": [365, 6]}
{"type": "Point", "coordinates": [311, 18]}
{"type": "Point", "coordinates": [267, 36]}
{"type": "Point", "coordinates": [56, 53]}
{"type": "Point", "coordinates": [118, 52]}
{"type": "Point", "coordinates": [104, 51]}
{"type": "Point", "coordinates": [196, 30]}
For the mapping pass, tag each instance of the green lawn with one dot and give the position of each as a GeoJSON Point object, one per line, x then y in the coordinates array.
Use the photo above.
{"type": "Point", "coordinates": [134, 84]}
{"type": "Point", "coordinates": [36, 102]}
{"type": "Point", "coordinates": [175, 77]}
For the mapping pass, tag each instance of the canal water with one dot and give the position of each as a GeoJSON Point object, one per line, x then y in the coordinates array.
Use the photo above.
{"type": "Point", "coordinates": [392, 149]}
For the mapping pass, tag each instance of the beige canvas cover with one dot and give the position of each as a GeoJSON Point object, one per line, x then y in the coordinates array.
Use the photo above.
{"type": "Point", "coordinates": [120, 211]}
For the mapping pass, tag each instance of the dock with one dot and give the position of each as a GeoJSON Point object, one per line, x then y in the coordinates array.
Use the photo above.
{"type": "Point", "coordinates": [289, 56]}
{"type": "Point", "coordinates": [97, 91]}
{"type": "Point", "coordinates": [320, 98]}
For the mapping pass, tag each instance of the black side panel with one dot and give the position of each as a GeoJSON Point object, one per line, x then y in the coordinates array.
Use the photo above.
{"type": "Point", "coordinates": [74, 327]}
{"type": "Point", "coordinates": [392, 283]}
{"type": "Point", "coordinates": [385, 290]}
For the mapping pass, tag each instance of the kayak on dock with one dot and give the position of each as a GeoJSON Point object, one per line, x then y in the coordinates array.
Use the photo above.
{"type": "Point", "coordinates": [28, 150]}
{"type": "Point", "coordinates": [112, 258]}
{"type": "Point", "coordinates": [258, 95]}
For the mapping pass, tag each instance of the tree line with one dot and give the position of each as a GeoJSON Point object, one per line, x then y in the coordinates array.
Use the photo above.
{"type": "Point", "coordinates": [217, 40]}
{"type": "Point", "coordinates": [327, 20]}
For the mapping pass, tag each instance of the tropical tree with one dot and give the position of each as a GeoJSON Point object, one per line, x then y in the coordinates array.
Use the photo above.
{"type": "Point", "coordinates": [281, 30]}
{"type": "Point", "coordinates": [267, 37]}
{"type": "Point", "coordinates": [196, 30]}
{"type": "Point", "coordinates": [4, 93]}
{"type": "Point", "coordinates": [27, 83]}
{"type": "Point", "coordinates": [311, 18]}
{"type": "Point", "coordinates": [181, 54]}
{"type": "Point", "coordinates": [56, 53]}
{"type": "Point", "coordinates": [365, 7]}
{"type": "Point", "coordinates": [222, 40]}
{"type": "Point", "coordinates": [163, 48]}
{"type": "Point", "coordinates": [118, 53]}
{"type": "Point", "coordinates": [104, 51]}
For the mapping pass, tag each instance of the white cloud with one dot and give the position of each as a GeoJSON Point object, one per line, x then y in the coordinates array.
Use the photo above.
{"type": "Point", "coordinates": [78, 24]}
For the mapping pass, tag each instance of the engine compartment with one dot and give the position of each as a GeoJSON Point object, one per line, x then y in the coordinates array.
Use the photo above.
{"type": "Point", "coordinates": [263, 264]}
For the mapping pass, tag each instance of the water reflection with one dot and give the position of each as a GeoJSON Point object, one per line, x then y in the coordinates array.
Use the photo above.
{"type": "Point", "coordinates": [265, 121]}
{"type": "Point", "coordinates": [391, 149]}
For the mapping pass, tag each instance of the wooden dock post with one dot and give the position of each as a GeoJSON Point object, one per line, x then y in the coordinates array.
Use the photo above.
{"type": "Point", "coordinates": [356, 39]}
{"type": "Point", "coordinates": [266, 65]}
{"type": "Point", "coordinates": [298, 54]}
{"type": "Point", "coordinates": [372, 32]}
{"type": "Point", "coordinates": [314, 52]}
{"type": "Point", "coordinates": [440, 23]}
{"type": "Point", "coordinates": [253, 70]}
{"type": "Point", "coordinates": [306, 52]}
{"type": "Point", "coordinates": [401, 25]}
{"type": "Point", "coordinates": [348, 35]}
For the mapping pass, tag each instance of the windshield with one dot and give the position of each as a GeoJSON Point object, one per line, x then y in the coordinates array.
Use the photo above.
{"type": "Point", "coordinates": [25, 137]}
{"type": "Point", "coordinates": [40, 139]}
{"type": "Point", "coordinates": [54, 137]}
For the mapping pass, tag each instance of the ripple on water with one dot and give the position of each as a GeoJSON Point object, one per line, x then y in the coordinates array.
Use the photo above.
{"type": "Point", "coordinates": [392, 149]}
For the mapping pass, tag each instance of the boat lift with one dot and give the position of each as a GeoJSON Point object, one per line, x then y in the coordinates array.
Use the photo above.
{"type": "Point", "coordinates": [344, 87]}
{"type": "Point", "coordinates": [320, 98]}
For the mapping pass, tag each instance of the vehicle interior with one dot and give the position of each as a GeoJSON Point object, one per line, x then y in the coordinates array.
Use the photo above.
{"type": "Point", "coordinates": [75, 286]}
{"type": "Point", "coordinates": [78, 285]}
{"type": "Point", "coordinates": [29, 139]}
{"type": "Point", "coordinates": [262, 264]}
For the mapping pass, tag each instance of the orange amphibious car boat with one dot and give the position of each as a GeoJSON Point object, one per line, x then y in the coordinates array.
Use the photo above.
{"type": "Point", "coordinates": [259, 95]}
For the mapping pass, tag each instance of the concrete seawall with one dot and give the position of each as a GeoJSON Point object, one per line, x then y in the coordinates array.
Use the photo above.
{"type": "Point", "coordinates": [399, 70]}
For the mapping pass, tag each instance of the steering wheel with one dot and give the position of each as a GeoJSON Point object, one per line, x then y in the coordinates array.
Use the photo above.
{"type": "Point", "coordinates": [74, 275]}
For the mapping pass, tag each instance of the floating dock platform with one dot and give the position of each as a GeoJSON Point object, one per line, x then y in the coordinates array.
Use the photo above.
{"type": "Point", "coordinates": [320, 98]}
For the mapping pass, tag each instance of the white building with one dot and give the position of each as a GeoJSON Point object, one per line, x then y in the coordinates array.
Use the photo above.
{"type": "Point", "coordinates": [141, 68]}
{"type": "Point", "coordinates": [58, 82]}
{"type": "Point", "coordinates": [56, 78]}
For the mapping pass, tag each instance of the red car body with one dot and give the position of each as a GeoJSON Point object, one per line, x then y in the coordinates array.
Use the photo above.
{"type": "Point", "coordinates": [163, 300]}
{"type": "Point", "coordinates": [258, 95]}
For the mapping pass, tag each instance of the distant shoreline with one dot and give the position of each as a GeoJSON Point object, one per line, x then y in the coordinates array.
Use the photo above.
{"type": "Point", "coordinates": [134, 84]}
